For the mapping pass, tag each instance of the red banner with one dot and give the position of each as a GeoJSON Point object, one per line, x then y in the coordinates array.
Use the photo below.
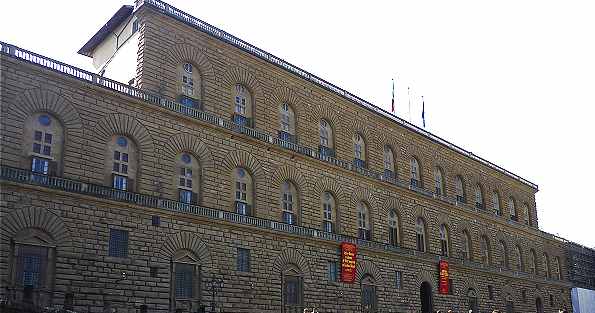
{"type": "Point", "coordinates": [348, 257]}
{"type": "Point", "coordinates": [443, 282]}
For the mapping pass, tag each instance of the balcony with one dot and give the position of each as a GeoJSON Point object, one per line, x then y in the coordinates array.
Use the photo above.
{"type": "Point", "coordinates": [285, 136]}
{"type": "Point", "coordinates": [326, 152]}
{"type": "Point", "coordinates": [243, 208]}
{"type": "Point", "coordinates": [189, 102]}
{"type": "Point", "coordinates": [241, 120]}
{"type": "Point", "coordinates": [359, 163]}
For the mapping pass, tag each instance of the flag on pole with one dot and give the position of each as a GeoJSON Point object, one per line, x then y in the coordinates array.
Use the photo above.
{"type": "Point", "coordinates": [409, 101]}
{"type": "Point", "coordinates": [423, 111]}
{"type": "Point", "coordinates": [393, 102]}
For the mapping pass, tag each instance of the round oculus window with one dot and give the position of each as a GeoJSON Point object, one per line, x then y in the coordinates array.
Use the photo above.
{"type": "Point", "coordinates": [186, 158]}
{"type": "Point", "coordinates": [122, 142]}
{"type": "Point", "coordinates": [44, 120]}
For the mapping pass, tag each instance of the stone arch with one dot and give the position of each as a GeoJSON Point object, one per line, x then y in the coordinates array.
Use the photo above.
{"type": "Point", "coordinates": [186, 52]}
{"type": "Point", "coordinates": [288, 172]}
{"type": "Point", "coordinates": [363, 194]}
{"type": "Point", "coordinates": [237, 75]}
{"type": "Point", "coordinates": [181, 52]}
{"type": "Point", "coordinates": [285, 94]}
{"type": "Point", "coordinates": [326, 183]}
{"type": "Point", "coordinates": [420, 211]}
{"type": "Point", "coordinates": [383, 138]}
{"type": "Point", "coordinates": [292, 256]}
{"type": "Point", "coordinates": [37, 218]}
{"type": "Point", "coordinates": [188, 143]}
{"type": "Point", "coordinates": [188, 241]}
{"type": "Point", "coordinates": [324, 110]}
{"type": "Point", "coordinates": [366, 267]}
{"type": "Point", "coordinates": [122, 124]}
{"type": "Point", "coordinates": [41, 100]}
{"type": "Point", "coordinates": [425, 276]}
{"type": "Point", "coordinates": [466, 284]}
{"type": "Point", "coordinates": [245, 160]}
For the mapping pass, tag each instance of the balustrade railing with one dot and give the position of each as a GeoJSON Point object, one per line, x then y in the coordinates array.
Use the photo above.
{"type": "Point", "coordinates": [68, 185]}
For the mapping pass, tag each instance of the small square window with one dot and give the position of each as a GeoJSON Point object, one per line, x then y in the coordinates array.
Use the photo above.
{"type": "Point", "coordinates": [116, 167]}
{"type": "Point", "coordinates": [117, 155]}
{"type": "Point", "coordinates": [182, 171]}
{"type": "Point", "coordinates": [118, 243]}
{"type": "Point", "coordinates": [399, 280]}
{"type": "Point", "coordinates": [188, 172]}
{"type": "Point", "coordinates": [38, 135]}
{"type": "Point", "coordinates": [189, 183]}
{"type": "Point", "coordinates": [124, 169]}
{"type": "Point", "coordinates": [36, 148]}
{"type": "Point", "coordinates": [48, 139]}
{"type": "Point", "coordinates": [124, 157]}
{"type": "Point", "coordinates": [47, 150]}
{"type": "Point", "coordinates": [156, 220]}
{"type": "Point", "coordinates": [182, 182]}
{"type": "Point", "coordinates": [333, 271]}
{"type": "Point", "coordinates": [243, 260]}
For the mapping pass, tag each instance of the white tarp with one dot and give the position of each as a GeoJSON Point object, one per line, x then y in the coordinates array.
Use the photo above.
{"type": "Point", "coordinates": [583, 300]}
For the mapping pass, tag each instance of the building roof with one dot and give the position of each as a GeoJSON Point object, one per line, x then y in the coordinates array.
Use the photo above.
{"type": "Point", "coordinates": [217, 33]}
{"type": "Point", "coordinates": [122, 14]}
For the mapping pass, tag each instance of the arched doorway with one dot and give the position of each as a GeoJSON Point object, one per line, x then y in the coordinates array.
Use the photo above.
{"type": "Point", "coordinates": [538, 305]}
{"type": "Point", "coordinates": [425, 294]}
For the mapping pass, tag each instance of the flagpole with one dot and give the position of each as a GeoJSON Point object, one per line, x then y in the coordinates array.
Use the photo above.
{"type": "Point", "coordinates": [423, 111]}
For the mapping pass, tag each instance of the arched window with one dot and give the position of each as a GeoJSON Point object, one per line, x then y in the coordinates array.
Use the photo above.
{"type": "Point", "coordinates": [393, 228]}
{"type": "Point", "coordinates": [329, 212]}
{"type": "Point", "coordinates": [369, 299]}
{"type": "Point", "coordinates": [503, 254]}
{"type": "Point", "coordinates": [186, 277]}
{"type": "Point", "coordinates": [533, 262]}
{"type": "Point", "coordinates": [415, 173]}
{"type": "Point", "coordinates": [467, 251]}
{"type": "Point", "coordinates": [526, 214]}
{"type": "Point", "coordinates": [485, 250]}
{"type": "Point", "coordinates": [289, 202]}
{"type": "Point", "coordinates": [326, 148]}
{"type": "Point", "coordinates": [42, 143]}
{"type": "Point", "coordinates": [420, 234]}
{"type": "Point", "coordinates": [189, 85]}
{"type": "Point", "coordinates": [33, 264]}
{"type": "Point", "coordinates": [287, 123]}
{"type": "Point", "coordinates": [472, 303]}
{"type": "Point", "coordinates": [242, 106]}
{"type": "Point", "coordinates": [439, 181]}
{"type": "Point", "coordinates": [293, 289]}
{"type": "Point", "coordinates": [557, 268]}
{"type": "Point", "coordinates": [244, 193]}
{"type": "Point", "coordinates": [363, 221]}
{"type": "Point", "coordinates": [359, 150]}
{"type": "Point", "coordinates": [479, 197]}
{"type": "Point", "coordinates": [459, 189]}
{"type": "Point", "coordinates": [444, 241]}
{"type": "Point", "coordinates": [546, 265]}
{"type": "Point", "coordinates": [512, 209]}
{"type": "Point", "coordinates": [389, 162]}
{"type": "Point", "coordinates": [121, 164]}
{"type": "Point", "coordinates": [187, 178]}
{"type": "Point", "coordinates": [496, 203]}
{"type": "Point", "coordinates": [519, 258]}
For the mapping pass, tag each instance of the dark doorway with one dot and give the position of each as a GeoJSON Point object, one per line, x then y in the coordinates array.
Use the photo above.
{"type": "Point", "coordinates": [509, 304]}
{"type": "Point", "coordinates": [538, 305]}
{"type": "Point", "coordinates": [425, 294]}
